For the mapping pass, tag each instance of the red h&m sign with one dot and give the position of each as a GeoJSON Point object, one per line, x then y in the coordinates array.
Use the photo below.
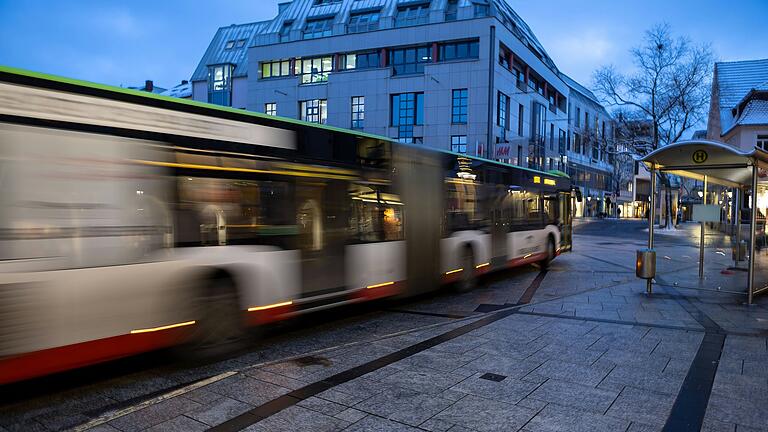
{"type": "Point", "coordinates": [502, 151]}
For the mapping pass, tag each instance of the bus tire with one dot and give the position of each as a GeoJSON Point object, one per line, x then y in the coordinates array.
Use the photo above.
{"type": "Point", "coordinates": [550, 253]}
{"type": "Point", "coordinates": [220, 326]}
{"type": "Point", "coordinates": [468, 280]}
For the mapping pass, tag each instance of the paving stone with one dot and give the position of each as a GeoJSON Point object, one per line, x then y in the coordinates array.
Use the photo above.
{"type": "Point", "coordinates": [378, 424]}
{"type": "Point", "coordinates": [508, 390]}
{"type": "Point", "coordinates": [404, 406]}
{"type": "Point", "coordinates": [298, 419]}
{"type": "Point", "coordinates": [642, 406]}
{"type": "Point", "coordinates": [322, 406]}
{"type": "Point", "coordinates": [554, 418]}
{"type": "Point", "coordinates": [202, 396]}
{"type": "Point", "coordinates": [247, 389]}
{"type": "Point", "coordinates": [741, 386]}
{"type": "Point", "coordinates": [533, 404]}
{"type": "Point", "coordinates": [155, 414]}
{"type": "Point", "coordinates": [352, 392]}
{"type": "Point", "coordinates": [219, 411]}
{"type": "Point", "coordinates": [575, 395]}
{"type": "Point", "coordinates": [710, 425]}
{"type": "Point", "coordinates": [642, 427]}
{"type": "Point", "coordinates": [277, 379]}
{"type": "Point", "coordinates": [485, 415]}
{"type": "Point", "coordinates": [665, 383]}
{"type": "Point", "coordinates": [433, 425]}
{"type": "Point", "coordinates": [739, 411]}
{"type": "Point", "coordinates": [351, 415]}
{"type": "Point", "coordinates": [581, 374]}
{"type": "Point", "coordinates": [423, 381]}
{"type": "Point", "coordinates": [179, 424]}
{"type": "Point", "coordinates": [502, 365]}
{"type": "Point", "coordinates": [437, 360]}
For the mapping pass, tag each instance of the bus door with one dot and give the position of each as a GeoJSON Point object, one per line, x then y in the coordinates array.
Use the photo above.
{"type": "Point", "coordinates": [419, 180]}
{"type": "Point", "coordinates": [566, 221]}
{"type": "Point", "coordinates": [321, 216]}
{"type": "Point", "coordinates": [500, 209]}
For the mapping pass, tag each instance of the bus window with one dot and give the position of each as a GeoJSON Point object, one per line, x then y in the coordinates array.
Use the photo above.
{"type": "Point", "coordinates": [551, 209]}
{"type": "Point", "coordinates": [376, 215]}
{"type": "Point", "coordinates": [463, 210]}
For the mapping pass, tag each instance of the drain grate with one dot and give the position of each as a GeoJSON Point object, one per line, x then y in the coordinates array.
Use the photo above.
{"type": "Point", "coordinates": [493, 377]}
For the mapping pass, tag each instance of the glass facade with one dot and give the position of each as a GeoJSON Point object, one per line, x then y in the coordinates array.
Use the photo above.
{"type": "Point", "coordinates": [220, 85]}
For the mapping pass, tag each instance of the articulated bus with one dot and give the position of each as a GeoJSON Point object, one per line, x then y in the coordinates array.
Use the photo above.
{"type": "Point", "coordinates": [131, 222]}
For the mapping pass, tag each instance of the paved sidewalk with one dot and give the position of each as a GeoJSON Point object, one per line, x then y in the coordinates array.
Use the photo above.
{"type": "Point", "coordinates": [591, 352]}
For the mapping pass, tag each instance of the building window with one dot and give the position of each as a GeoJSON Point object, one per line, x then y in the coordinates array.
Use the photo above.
{"type": "Point", "coordinates": [520, 114]}
{"type": "Point", "coordinates": [578, 117]}
{"type": "Point", "coordinates": [229, 45]}
{"type": "Point", "coordinates": [364, 60]}
{"type": "Point", "coordinates": [504, 55]}
{"type": "Point", "coordinates": [275, 69]}
{"type": "Point", "coordinates": [552, 136]}
{"type": "Point", "coordinates": [762, 142]}
{"type": "Point", "coordinates": [409, 60]}
{"type": "Point", "coordinates": [270, 108]}
{"type": "Point", "coordinates": [459, 144]}
{"type": "Point", "coordinates": [586, 120]}
{"type": "Point", "coordinates": [482, 10]}
{"type": "Point", "coordinates": [358, 112]}
{"type": "Point", "coordinates": [240, 43]}
{"type": "Point", "coordinates": [459, 103]}
{"type": "Point", "coordinates": [407, 110]}
{"type": "Point", "coordinates": [314, 110]}
{"type": "Point", "coordinates": [325, 2]}
{"type": "Point", "coordinates": [220, 85]}
{"type": "Point", "coordinates": [577, 143]}
{"type": "Point", "coordinates": [561, 142]}
{"type": "Point", "coordinates": [502, 115]}
{"type": "Point", "coordinates": [452, 10]}
{"type": "Point", "coordinates": [459, 50]}
{"type": "Point", "coordinates": [318, 28]}
{"type": "Point", "coordinates": [314, 70]}
{"type": "Point", "coordinates": [285, 31]}
{"type": "Point", "coordinates": [412, 15]}
{"type": "Point", "coordinates": [362, 22]}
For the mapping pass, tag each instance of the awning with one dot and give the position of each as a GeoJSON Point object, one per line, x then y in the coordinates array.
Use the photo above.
{"type": "Point", "coordinates": [721, 163]}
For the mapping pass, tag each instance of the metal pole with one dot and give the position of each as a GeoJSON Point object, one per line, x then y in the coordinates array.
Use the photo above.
{"type": "Point", "coordinates": [736, 201]}
{"type": "Point", "coordinates": [752, 236]}
{"type": "Point", "coordinates": [701, 239]}
{"type": "Point", "coordinates": [652, 214]}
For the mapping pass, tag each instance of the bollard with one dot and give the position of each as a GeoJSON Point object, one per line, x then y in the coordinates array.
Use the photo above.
{"type": "Point", "coordinates": [739, 251]}
{"type": "Point", "coordinates": [645, 267]}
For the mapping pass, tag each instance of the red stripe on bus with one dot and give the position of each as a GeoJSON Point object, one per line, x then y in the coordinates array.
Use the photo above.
{"type": "Point", "coordinates": [38, 363]}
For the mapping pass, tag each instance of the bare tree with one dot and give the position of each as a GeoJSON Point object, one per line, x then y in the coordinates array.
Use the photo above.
{"type": "Point", "coordinates": [668, 88]}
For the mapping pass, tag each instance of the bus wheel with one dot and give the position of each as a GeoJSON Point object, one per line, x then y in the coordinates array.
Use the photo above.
{"type": "Point", "coordinates": [468, 280]}
{"type": "Point", "coordinates": [550, 253]}
{"type": "Point", "coordinates": [219, 327]}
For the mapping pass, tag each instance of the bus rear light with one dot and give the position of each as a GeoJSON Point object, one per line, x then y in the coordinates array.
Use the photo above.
{"type": "Point", "coordinates": [271, 306]}
{"type": "Point", "coordinates": [380, 285]}
{"type": "Point", "coordinates": [154, 329]}
{"type": "Point", "coordinates": [482, 265]}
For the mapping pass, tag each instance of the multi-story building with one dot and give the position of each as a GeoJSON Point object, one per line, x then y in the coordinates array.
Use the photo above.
{"type": "Point", "coordinates": [467, 76]}
{"type": "Point", "coordinates": [738, 111]}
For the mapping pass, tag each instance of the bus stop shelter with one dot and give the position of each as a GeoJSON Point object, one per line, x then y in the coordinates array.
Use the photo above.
{"type": "Point", "coordinates": [720, 164]}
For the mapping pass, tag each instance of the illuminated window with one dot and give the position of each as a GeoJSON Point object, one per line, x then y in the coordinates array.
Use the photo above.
{"type": "Point", "coordinates": [314, 110]}
{"type": "Point", "coordinates": [219, 85]}
{"type": "Point", "coordinates": [275, 69]}
{"type": "Point", "coordinates": [358, 112]}
{"type": "Point", "coordinates": [314, 70]}
{"type": "Point", "coordinates": [362, 60]}
{"type": "Point", "coordinates": [270, 108]}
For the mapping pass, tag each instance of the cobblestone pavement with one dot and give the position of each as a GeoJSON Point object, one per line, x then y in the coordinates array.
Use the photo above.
{"type": "Point", "coordinates": [585, 350]}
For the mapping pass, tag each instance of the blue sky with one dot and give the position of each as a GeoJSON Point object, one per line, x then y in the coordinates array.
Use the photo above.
{"type": "Point", "coordinates": [127, 42]}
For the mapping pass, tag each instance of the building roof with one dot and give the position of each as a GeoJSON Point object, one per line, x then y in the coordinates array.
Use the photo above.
{"type": "Point", "coordinates": [296, 13]}
{"type": "Point", "coordinates": [575, 86]}
{"type": "Point", "coordinates": [155, 89]}
{"type": "Point", "coordinates": [754, 113]}
{"type": "Point", "coordinates": [183, 90]}
{"type": "Point", "coordinates": [734, 81]}
{"type": "Point", "coordinates": [229, 46]}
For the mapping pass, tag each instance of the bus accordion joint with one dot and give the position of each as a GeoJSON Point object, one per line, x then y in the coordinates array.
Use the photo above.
{"type": "Point", "coordinates": [482, 265]}
{"type": "Point", "coordinates": [167, 327]}
{"type": "Point", "coordinates": [270, 306]}
{"type": "Point", "coordinates": [454, 271]}
{"type": "Point", "coordinates": [380, 285]}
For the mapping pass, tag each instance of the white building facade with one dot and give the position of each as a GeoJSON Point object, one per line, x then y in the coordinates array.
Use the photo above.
{"type": "Point", "coordinates": [467, 76]}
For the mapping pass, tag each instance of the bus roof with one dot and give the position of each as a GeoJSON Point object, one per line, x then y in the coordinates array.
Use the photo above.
{"type": "Point", "coordinates": [208, 106]}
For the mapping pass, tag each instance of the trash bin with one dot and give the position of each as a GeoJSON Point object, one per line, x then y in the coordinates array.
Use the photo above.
{"type": "Point", "coordinates": [739, 251]}
{"type": "Point", "coordinates": [645, 267]}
